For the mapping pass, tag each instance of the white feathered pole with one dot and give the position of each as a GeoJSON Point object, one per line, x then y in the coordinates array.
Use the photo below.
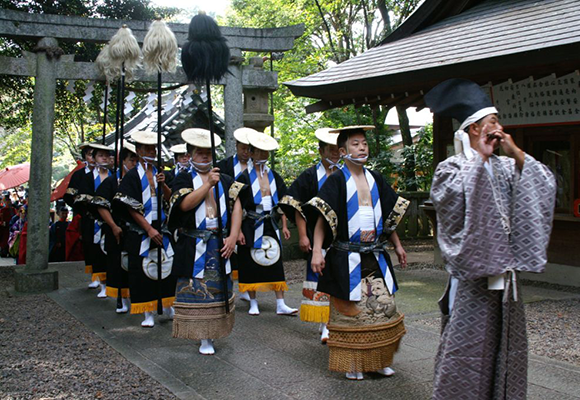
{"type": "Point", "coordinates": [159, 55]}
{"type": "Point", "coordinates": [125, 56]}
{"type": "Point", "coordinates": [103, 64]}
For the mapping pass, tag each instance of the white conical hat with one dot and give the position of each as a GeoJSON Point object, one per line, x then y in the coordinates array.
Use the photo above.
{"type": "Point", "coordinates": [241, 134]}
{"type": "Point", "coordinates": [199, 138]}
{"type": "Point", "coordinates": [178, 148]}
{"type": "Point", "coordinates": [324, 135]}
{"type": "Point", "coordinates": [262, 141]}
{"type": "Point", "coordinates": [146, 137]}
{"type": "Point", "coordinates": [353, 128]}
{"type": "Point", "coordinates": [127, 145]}
{"type": "Point", "coordinates": [99, 146]}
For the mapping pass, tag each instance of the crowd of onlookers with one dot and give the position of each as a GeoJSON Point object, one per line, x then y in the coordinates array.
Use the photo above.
{"type": "Point", "coordinates": [13, 227]}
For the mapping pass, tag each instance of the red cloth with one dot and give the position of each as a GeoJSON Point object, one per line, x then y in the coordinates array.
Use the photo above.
{"type": "Point", "coordinates": [22, 248]}
{"type": "Point", "coordinates": [6, 214]}
{"type": "Point", "coordinates": [63, 186]}
{"type": "Point", "coordinates": [74, 248]}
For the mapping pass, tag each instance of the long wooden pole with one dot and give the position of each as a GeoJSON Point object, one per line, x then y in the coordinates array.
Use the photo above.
{"type": "Point", "coordinates": [217, 201]}
{"type": "Point", "coordinates": [159, 196]}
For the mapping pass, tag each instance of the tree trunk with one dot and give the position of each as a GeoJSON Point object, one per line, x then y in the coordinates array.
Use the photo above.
{"type": "Point", "coordinates": [407, 141]}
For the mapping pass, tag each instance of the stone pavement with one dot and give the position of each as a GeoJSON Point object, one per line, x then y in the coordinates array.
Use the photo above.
{"type": "Point", "coordinates": [276, 357]}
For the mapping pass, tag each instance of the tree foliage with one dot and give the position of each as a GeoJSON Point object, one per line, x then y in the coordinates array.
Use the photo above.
{"type": "Point", "coordinates": [335, 30]}
{"type": "Point", "coordinates": [75, 120]}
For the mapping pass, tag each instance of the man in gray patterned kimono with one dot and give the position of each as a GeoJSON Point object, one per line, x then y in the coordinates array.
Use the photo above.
{"type": "Point", "coordinates": [494, 218]}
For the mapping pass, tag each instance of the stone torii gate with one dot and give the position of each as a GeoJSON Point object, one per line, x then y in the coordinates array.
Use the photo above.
{"type": "Point", "coordinates": [47, 66]}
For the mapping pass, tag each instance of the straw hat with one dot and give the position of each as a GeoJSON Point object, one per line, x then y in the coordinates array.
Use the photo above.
{"type": "Point", "coordinates": [128, 146]}
{"type": "Point", "coordinates": [178, 149]}
{"type": "Point", "coordinates": [83, 145]}
{"type": "Point", "coordinates": [98, 146]}
{"type": "Point", "coordinates": [199, 138]}
{"type": "Point", "coordinates": [353, 128]}
{"type": "Point", "coordinates": [241, 134]}
{"type": "Point", "coordinates": [324, 135]}
{"type": "Point", "coordinates": [146, 137]}
{"type": "Point", "coordinates": [262, 141]}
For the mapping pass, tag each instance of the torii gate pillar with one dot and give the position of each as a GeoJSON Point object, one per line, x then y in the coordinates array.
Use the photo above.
{"type": "Point", "coordinates": [36, 277]}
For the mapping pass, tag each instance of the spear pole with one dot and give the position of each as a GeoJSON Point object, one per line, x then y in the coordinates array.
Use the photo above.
{"type": "Point", "coordinates": [217, 201]}
{"type": "Point", "coordinates": [159, 196]}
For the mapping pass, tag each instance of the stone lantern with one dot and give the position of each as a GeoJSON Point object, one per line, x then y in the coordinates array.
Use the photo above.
{"type": "Point", "coordinates": [256, 105]}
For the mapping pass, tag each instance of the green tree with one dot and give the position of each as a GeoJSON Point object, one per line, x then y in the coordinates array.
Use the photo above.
{"type": "Point", "coordinates": [75, 120]}
{"type": "Point", "coordinates": [335, 30]}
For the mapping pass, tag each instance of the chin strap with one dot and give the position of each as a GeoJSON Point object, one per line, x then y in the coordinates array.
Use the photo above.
{"type": "Point", "coordinates": [201, 167]}
{"type": "Point", "coordinates": [332, 164]}
{"type": "Point", "coordinates": [358, 161]}
{"type": "Point", "coordinates": [262, 166]}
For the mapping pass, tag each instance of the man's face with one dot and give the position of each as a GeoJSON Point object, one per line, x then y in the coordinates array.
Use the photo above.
{"type": "Point", "coordinates": [243, 151]}
{"type": "Point", "coordinates": [356, 146]}
{"type": "Point", "coordinates": [487, 125]}
{"type": "Point", "coordinates": [182, 158]}
{"type": "Point", "coordinates": [101, 157]}
{"type": "Point", "coordinates": [130, 161]}
{"type": "Point", "coordinates": [147, 150]}
{"type": "Point", "coordinates": [331, 152]}
{"type": "Point", "coordinates": [63, 215]}
{"type": "Point", "coordinates": [201, 156]}
{"type": "Point", "coordinates": [259, 155]}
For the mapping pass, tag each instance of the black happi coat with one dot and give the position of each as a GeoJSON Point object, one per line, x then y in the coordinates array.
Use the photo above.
{"type": "Point", "coordinates": [249, 271]}
{"type": "Point", "coordinates": [335, 278]}
{"type": "Point", "coordinates": [226, 166]}
{"type": "Point", "coordinates": [304, 188]}
{"type": "Point", "coordinates": [185, 246]}
{"type": "Point", "coordinates": [73, 187]}
{"type": "Point", "coordinates": [247, 199]}
{"type": "Point", "coordinates": [116, 275]}
{"type": "Point", "coordinates": [143, 290]}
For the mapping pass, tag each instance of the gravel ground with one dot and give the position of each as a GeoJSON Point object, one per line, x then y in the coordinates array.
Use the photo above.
{"type": "Point", "coordinates": [553, 329]}
{"type": "Point", "coordinates": [45, 353]}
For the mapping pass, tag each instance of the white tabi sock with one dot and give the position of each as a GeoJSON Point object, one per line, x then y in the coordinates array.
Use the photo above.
{"type": "Point", "coordinates": [283, 309]}
{"type": "Point", "coordinates": [94, 284]}
{"type": "Point", "coordinates": [169, 312]}
{"type": "Point", "coordinates": [245, 296]}
{"type": "Point", "coordinates": [206, 347]}
{"type": "Point", "coordinates": [254, 310]}
{"type": "Point", "coordinates": [354, 376]}
{"type": "Point", "coordinates": [148, 322]}
{"type": "Point", "coordinates": [103, 293]}
{"type": "Point", "coordinates": [387, 371]}
{"type": "Point", "coordinates": [324, 335]}
{"type": "Point", "coordinates": [125, 307]}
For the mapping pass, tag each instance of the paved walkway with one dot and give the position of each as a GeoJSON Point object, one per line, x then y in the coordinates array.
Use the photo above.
{"type": "Point", "coordinates": [275, 357]}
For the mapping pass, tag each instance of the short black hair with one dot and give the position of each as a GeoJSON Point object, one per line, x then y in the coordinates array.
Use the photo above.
{"type": "Point", "coordinates": [346, 134]}
{"type": "Point", "coordinates": [322, 145]}
{"type": "Point", "coordinates": [85, 151]}
{"type": "Point", "coordinates": [190, 148]}
{"type": "Point", "coordinates": [125, 153]}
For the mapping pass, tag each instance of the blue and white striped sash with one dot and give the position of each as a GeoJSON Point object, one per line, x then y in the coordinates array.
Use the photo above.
{"type": "Point", "coordinates": [200, 223]}
{"type": "Point", "coordinates": [97, 231]}
{"type": "Point", "coordinates": [257, 194]}
{"type": "Point", "coordinates": [320, 174]}
{"type": "Point", "coordinates": [354, 232]}
{"type": "Point", "coordinates": [148, 213]}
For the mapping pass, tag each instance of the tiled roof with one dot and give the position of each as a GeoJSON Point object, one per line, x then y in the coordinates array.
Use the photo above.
{"type": "Point", "coordinates": [493, 28]}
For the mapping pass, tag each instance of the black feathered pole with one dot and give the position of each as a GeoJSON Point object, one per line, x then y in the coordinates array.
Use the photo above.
{"type": "Point", "coordinates": [159, 55]}
{"type": "Point", "coordinates": [206, 57]}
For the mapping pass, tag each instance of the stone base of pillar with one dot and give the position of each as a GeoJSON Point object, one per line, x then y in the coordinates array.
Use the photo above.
{"type": "Point", "coordinates": [35, 281]}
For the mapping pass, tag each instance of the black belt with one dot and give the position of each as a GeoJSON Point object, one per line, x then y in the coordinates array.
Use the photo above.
{"type": "Point", "coordinates": [360, 247]}
{"type": "Point", "coordinates": [204, 234]}
{"type": "Point", "coordinates": [132, 227]}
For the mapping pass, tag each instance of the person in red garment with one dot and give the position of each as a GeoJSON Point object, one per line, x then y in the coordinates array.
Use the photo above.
{"type": "Point", "coordinates": [6, 214]}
